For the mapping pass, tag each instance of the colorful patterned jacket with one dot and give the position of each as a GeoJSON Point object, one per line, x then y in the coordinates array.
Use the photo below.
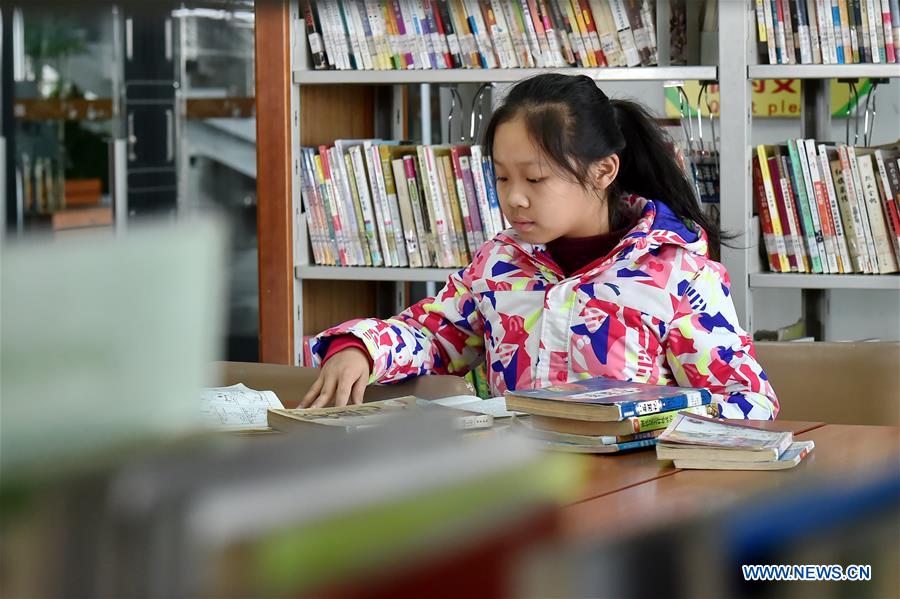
{"type": "Point", "coordinates": [657, 309]}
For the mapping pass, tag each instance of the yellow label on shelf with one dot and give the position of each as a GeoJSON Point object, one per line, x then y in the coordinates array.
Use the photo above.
{"type": "Point", "coordinates": [770, 97]}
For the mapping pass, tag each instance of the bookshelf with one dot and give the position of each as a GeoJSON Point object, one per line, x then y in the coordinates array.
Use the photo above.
{"type": "Point", "coordinates": [738, 68]}
{"type": "Point", "coordinates": [338, 287]}
{"type": "Point", "coordinates": [312, 77]}
{"type": "Point", "coordinates": [299, 298]}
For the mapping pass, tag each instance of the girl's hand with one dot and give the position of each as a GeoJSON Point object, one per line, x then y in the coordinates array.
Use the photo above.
{"type": "Point", "coordinates": [343, 379]}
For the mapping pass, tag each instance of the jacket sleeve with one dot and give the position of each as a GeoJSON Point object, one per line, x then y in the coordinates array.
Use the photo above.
{"type": "Point", "coordinates": [438, 335]}
{"type": "Point", "coordinates": [706, 347]}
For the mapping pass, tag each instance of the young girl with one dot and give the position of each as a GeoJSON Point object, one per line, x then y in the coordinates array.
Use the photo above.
{"type": "Point", "coordinates": [605, 271]}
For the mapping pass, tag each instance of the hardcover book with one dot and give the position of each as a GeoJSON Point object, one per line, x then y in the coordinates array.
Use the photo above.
{"type": "Point", "coordinates": [601, 399]}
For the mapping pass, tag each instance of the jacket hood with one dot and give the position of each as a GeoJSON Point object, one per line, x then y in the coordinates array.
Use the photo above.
{"type": "Point", "coordinates": [656, 226]}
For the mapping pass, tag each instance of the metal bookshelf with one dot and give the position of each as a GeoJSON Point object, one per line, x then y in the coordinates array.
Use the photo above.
{"type": "Point", "coordinates": [770, 280]}
{"type": "Point", "coordinates": [737, 22]}
{"type": "Point", "coordinates": [370, 273]}
{"type": "Point", "coordinates": [438, 76]}
{"type": "Point", "coordinates": [822, 71]}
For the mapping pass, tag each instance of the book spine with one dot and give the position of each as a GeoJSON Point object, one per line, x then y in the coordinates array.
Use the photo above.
{"type": "Point", "coordinates": [435, 205]}
{"type": "Point", "coordinates": [889, 48]}
{"type": "Point", "coordinates": [853, 204]}
{"type": "Point", "coordinates": [803, 262]}
{"type": "Point", "coordinates": [821, 195]}
{"type": "Point", "coordinates": [895, 27]}
{"type": "Point", "coordinates": [765, 218]}
{"type": "Point", "coordinates": [688, 399]}
{"type": "Point", "coordinates": [845, 31]}
{"type": "Point", "coordinates": [448, 186]}
{"type": "Point", "coordinates": [892, 195]}
{"type": "Point", "coordinates": [873, 23]}
{"type": "Point", "coordinates": [625, 35]}
{"type": "Point", "coordinates": [350, 181]}
{"type": "Point", "coordinates": [393, 204]}
{"type": "Point", "coordinates": [331, 210]}
{"type": "Point", "coordinates": [445, 26]}
{"type": "Point", "coordinates": [348, 214]}
{"type": "Point", "coordinates": [481, 230]}
{"type": "Point", "coordinates": [812, 204]}
{"type": "Point", "coordinates": [365, 200]}
{"type": "Point", "coordinates": [563, 28]}
{"type": "Point", "coordinates": [809, 231]}
{"type": "Point", "coordinates": [852, 26]}
{"type": "Point", "coordinates": [517, 32]}
{"type": "Point", "coordinates": [834, 211]}
{"type": "Point", "coordinates": [812, 21]}
{"type": "Point", "coordinates": [314, 37]}
{"type": "Point", "coordinates": [887, 263]}
{"type": "Point", "coordinates": [863, 208]}
{"type": "Point", "coordinates": [408, 225]}
{"type": "Point", "coordinates": [803, 32]}
{"type": "Point", "coordinates": [790, 239]}
{"type": "Point", "coordinates": [826, 31]}
{"type": "Point", "coordinates": [652, 422]}
{"type": "Point", "coordinates": [423, 225]}
{"type": "Point", "coordinates": [599, 39]}
{"type": "Point", "coordinates": [313, 222]}
{"type": "Point", "coordinates": [840, 189]}
{"type": "Point", "coordinates": [789, 42]}
{"type": "Point", "coordinates": [382, 213]}
{"type": "Point", "coordinates": [771, 36]}
{"type": "Point", "coordinates": [777, 232]}
{"type": "Point", "coordinates": [456, 175]}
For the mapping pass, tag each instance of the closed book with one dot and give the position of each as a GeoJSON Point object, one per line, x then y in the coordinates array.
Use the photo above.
{"type": "Point", "coordinates": [615, 448]}
{"type": "Point", "coordinates": [792, 456]}
{"type": "Point", "coordinates": [627, 426]}
{"type": "Point", "coordinates": [354, 418]}
{"type": "Point", "coordinates": [601, 399]}
{"type": "Point", "coordinates": [696, 437]}
{"type": "Point", "coordinates": [525, 425]}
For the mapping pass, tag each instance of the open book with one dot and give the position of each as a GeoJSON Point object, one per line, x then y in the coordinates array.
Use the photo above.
{"type": "Point", "coordinates": [237, 408]}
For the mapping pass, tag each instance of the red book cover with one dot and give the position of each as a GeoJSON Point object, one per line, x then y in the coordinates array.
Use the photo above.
{"type": "Point", "coordinates": [765, 220]}
{"type": "Point", "coordinates": [775, 173]}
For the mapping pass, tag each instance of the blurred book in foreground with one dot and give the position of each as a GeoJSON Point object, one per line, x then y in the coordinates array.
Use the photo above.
{"type": "Point", "coordinates": [703, 443]}
{"type": "Point", "coordinates": [237, 408]}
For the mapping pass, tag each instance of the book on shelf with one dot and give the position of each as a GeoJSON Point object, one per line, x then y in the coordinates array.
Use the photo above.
{"type": "Point", "coordinates": [694, 441]}
{"type": "Point", "coordinates": [487, 34]}
{"type": "Point", "coordinates": [828, 208]}
{"type": "Point", "coordinates": [354, 418]}
{"type": "Point", "coordinates": [604, 400]}
{"type": "Point", "coordinates": [384, 203]}
{"type": "Point", "coordinates": [828, 31]}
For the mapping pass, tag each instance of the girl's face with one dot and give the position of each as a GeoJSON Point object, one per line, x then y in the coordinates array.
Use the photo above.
{"type": "Point", "coordinates": [540, 201]}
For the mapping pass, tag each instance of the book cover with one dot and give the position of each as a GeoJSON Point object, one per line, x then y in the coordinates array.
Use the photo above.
{"type": "Point", "coordinates": [791, 456]}
{"type": "Point", "coordinates": [691, 436]}
{"type": "Point", "coordinates": [604, 399]}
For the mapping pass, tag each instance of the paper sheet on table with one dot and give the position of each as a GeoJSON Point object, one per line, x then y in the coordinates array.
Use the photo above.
{"type": "Point", "coordinates": [495, 406]}
{"type": "Point", "coordinates": [237, 407]}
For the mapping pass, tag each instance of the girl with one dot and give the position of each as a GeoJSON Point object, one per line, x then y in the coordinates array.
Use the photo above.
{"type": "Point", "coordinates": [605, 271]}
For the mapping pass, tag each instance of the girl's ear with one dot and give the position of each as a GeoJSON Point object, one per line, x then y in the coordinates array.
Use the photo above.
{"type": "Point", "coordinates": [604, 171]}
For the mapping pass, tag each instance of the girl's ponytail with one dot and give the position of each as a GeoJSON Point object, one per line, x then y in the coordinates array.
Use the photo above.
{"type": "Point", "coordinates": [648, 166]}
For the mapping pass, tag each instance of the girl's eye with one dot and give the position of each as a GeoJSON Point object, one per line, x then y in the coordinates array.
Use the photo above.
{"type": "Point", "coordinates": [502, 179]}
{"type": "Point", "coordinates": [535, 180]}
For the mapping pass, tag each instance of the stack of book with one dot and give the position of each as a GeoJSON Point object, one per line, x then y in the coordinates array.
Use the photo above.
{"type": "Point", "coordinates": [600, 415]}
{"type": "Point", "coordinates": [828, 208]}
{"type": "Point", "coordinates": [480, 34]}
{"type": "Point", "coordinates": [380, 203]}
{"type": "Point", "coordinates": [704, 443]}
{"type": "Point", "coordinates": [829, 31]}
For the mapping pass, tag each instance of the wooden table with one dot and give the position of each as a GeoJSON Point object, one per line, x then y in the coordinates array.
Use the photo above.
{"type": "Point", "coordinates": [611, 507]}
{"type": "Point", "coordinates": [612, 473]}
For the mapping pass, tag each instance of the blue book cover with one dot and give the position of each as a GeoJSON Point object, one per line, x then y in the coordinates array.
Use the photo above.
{"type": "Point", "coordinates": [612, 448]}
{"type": "Point", "coordinates": [605, 399]}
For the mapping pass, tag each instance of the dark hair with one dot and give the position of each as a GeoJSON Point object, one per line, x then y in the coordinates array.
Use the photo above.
{"type": "Point", "coordinates": [575, 124]}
